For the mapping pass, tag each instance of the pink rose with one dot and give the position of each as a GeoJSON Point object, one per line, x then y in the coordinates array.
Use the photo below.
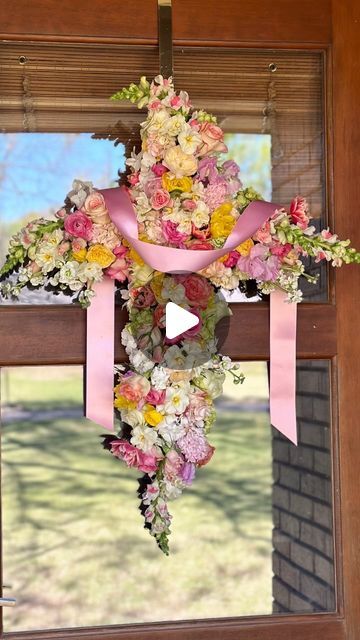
{"type": "Point", "coordinates": [174, 463]}
{"type": "Point", "coordinates": [299, 212]}
{"type": "Point", "coordinates": [133, 457]}
{"type": "Point", "coordinates": [95, 207]}
{"type": "Point", "coordinates": [142, 297]}
{"type": "Point", "coordinates": [155, 397]}
{"type": "Point", "coordinates": [197, 290]}
{"type": "Point", "coordinates": [160, 199]}
{"type": "Point", "coordinates": [79, 225]}
{"type": "Point", "coordinates": [212, 139]}
{"type": "Point", "coordinates": [119, 270]}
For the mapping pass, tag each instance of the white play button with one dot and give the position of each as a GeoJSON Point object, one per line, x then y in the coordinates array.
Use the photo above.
{"type": "Point", "coordinates": [178, 320]}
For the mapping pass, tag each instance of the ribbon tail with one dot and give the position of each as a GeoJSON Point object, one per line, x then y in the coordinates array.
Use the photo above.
{"type": "Point", "coordinates": [100, 326]}
{"type": "Point", "coordinates": [283, 365]}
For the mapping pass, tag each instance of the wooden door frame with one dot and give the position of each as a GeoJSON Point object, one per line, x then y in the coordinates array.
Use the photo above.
{"type": "Point", "coordinates": [324, 331]}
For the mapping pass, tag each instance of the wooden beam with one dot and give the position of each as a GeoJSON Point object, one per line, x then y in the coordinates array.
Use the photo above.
{"type": "Point", "coordinates": [57, 334]}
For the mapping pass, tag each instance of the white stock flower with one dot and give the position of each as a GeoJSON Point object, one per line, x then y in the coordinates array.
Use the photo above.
{"type": "Point", "coordinates": [144, 438]}
{"type": "Point", "coordinates": [170, 428]}
{"type": "Point", "coordinates": [200, 216]}
{"type": "Point", "coordinates": [128, 341]}
{"type": "Point", "coordinates": [159, 378]}
{"type": "Point", "coordinates": [157, 122]}
{"type": "Point", "coordinates": [140, 362]}
{"type": "Point", "coordinates": [68, 273]}
{"type": "Point", "coordinates": [47, 257]}
{"type": "Point", "coordinates": [80, 191]}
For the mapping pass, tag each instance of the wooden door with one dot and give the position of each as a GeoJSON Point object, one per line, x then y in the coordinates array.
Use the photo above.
{"type": "Point", "coordinates": [327, 330]}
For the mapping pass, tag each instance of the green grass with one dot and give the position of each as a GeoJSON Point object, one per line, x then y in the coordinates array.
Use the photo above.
{"type": "Point", "coordinates": [75, 553]}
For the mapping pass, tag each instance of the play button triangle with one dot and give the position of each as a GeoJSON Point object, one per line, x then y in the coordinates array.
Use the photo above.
{"type": "Point", "coordinates": [178, 320]}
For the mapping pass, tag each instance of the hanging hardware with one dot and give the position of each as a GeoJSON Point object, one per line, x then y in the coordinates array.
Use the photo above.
{"type": "Point", "coordinates": [7, 602]}
{"type": "Point", "coordinates": [165, 38]}
{"type": "Point", "coordinates": [22, 60]}
{"type": "Point", "coordinates": [272, 67]}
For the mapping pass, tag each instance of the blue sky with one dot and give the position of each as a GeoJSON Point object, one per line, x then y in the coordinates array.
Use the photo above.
{"type": "Point", "coordinates": [37, 169]}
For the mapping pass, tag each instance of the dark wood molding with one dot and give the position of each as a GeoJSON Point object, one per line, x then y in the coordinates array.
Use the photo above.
{"type": "Point", "coordinates": [196, 22]}
{"type": "Point", "coordinates": [299, 627]}
{"type": "Point", "coordinates": [57, 334]}
{"type": "Point", "coordinates": [346, 92]}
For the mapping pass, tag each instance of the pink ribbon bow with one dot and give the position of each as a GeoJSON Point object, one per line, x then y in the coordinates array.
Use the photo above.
{"type": "Point", "coordinates": [100, 315]}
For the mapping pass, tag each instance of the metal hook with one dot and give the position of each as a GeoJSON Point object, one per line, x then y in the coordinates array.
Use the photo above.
{"type": "Point", "coordinates": [165, 38]}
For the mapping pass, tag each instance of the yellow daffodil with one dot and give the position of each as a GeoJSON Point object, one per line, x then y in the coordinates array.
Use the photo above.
{"type": "Point", "coordinates": [156, 286]}
{"type": "Point", "coordinates": [152, 417]}
{"type": "Point", "coordinates": [121, 402]}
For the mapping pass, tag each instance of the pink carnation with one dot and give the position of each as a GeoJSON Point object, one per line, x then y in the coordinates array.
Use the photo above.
{"type": "Point", "coordinates": [133, 457]}
{"type": "Point", "coordinates": [174, 463]}
{"type": "Point", "coordinates": [79, 225]}
{"type": "Point", "coordinates": [215, 194]}
{"type": "Point", "coordinates": [159, 169]}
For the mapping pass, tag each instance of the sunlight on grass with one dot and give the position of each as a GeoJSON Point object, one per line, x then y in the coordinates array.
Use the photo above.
{"type": "Point", "coordinates": [75, 553]}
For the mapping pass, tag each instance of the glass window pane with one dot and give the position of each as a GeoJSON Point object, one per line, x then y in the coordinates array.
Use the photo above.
{"type": "Point", "coordinates": [75, 552]}
{"type": "Point", "coordinates": [261, 94]}
{"type": "Point", "coordinates": [36, 189]}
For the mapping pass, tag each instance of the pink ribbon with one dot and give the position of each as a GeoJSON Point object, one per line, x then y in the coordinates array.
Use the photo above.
{"type": "Point", "coordinates": [283, 365]}
{"type": "Point", "coordinates": [100, 315]}
{"type": "Point", "coordinates": [100, 331]}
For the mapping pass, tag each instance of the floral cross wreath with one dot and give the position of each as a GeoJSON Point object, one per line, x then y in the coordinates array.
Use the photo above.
{"type": "Point", "coordinates": [181, 197]}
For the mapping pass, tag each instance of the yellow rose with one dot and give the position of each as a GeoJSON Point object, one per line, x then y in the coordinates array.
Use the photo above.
{"type": "Point", "coordinates": [101, 255]}
{"type": "Point", "coordinates": [245, 247]}
{"type": "Point", "coordinates": [80, 255]}
{"type": "Point", "coordinates": [180, 163]}
{"type": "Point", "coordinates": [180, 184]}
{"type": "Point", "coordinates": [152, 417]}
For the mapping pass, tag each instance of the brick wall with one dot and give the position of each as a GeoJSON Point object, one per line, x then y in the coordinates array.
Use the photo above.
{"type": "Point", "coordinates": [303, 565]}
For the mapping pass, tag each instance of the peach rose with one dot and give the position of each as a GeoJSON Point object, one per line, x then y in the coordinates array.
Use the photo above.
{"type": "Point", "coordinates": [160, 199]}
{"type": "Point", "coordinates": [95, 207]}
{"type": "Point", "coordinates": [134, 388]}
{"type": "Point", "coordinates": [212, 139]}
